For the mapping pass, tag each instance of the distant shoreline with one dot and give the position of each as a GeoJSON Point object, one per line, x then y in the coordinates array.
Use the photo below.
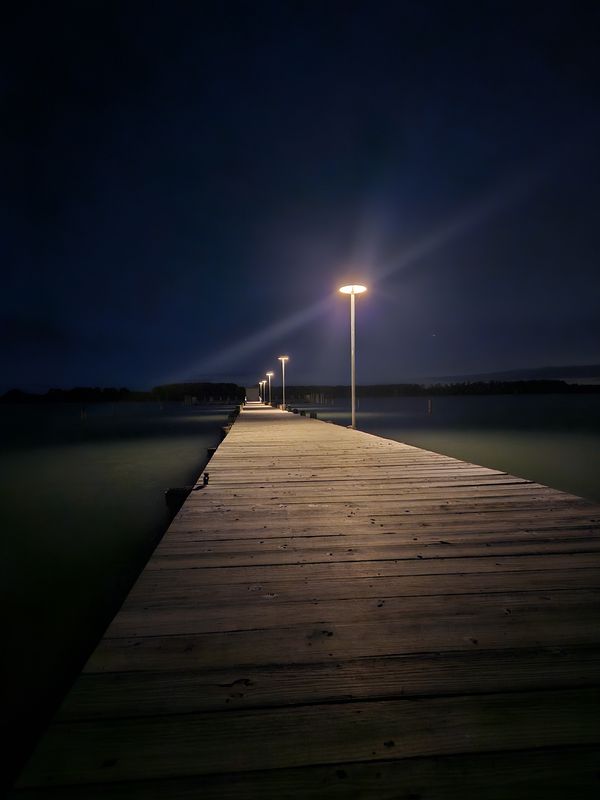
{"type": "Point", "coordinates": [227, 393]}
{"type": "Point", "coordinates": [492, 387]}
{"type": "Point", "coordinates": [230, 393]}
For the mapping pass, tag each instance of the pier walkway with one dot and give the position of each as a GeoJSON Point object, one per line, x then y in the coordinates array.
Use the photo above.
{"type": "Point", "coordinates": [337, 615]}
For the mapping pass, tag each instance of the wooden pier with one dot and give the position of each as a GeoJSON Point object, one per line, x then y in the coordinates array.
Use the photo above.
{"type": "Point", "coordinates": [337, 615]}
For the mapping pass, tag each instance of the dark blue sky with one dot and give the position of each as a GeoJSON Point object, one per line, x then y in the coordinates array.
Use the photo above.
{"type": "Point", "coordinates": [185, 184]}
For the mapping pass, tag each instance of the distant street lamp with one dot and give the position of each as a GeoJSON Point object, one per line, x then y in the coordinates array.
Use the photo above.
{"type": "Point", "coordinates": [283, 359]}
{"type": "Point", "coordinates": [269, 376]}
{"type": "Point", "coordinates": [261, 385]}
{"type": "Point", "coordinates": [353, 290]}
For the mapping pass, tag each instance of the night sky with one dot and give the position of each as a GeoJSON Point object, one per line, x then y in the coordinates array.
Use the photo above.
{"type": "Point", "coordinates": [186, 184]}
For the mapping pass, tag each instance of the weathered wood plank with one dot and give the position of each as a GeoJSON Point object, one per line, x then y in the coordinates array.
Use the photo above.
{"type": "Point", "coordinates": [118, 694]}
{"type": "Point", "coordinates": [551, 773]}
{"type": "Point", "coordinates": [333, 642]}
{"type": "Point", "coordinates": [370, 539]}
{"type": "Point", "coordinates": [344, 571]}
{"type": "Point", "coordinates": [196, 744]}
{"type": "Point", "coordinates": [196, 594]}
{"type": "Point", "coordinates": [373, 610]}
{"type": "Point", "coordinates": [386, 552]}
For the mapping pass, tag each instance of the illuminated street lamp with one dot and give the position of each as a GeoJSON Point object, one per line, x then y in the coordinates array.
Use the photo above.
{"type": "Point", "coordinates": [261, 389]}
{"type": "Point", "coordinates": [353, 290]}
{"type": "Point", "coordinates": [269, 376]}
{"type": "Point", "coordinates": [283, 359]}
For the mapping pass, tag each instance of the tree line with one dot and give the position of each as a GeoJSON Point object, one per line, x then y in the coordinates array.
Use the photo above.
{"type": "Point", "coordinates": [179, 392]}
{"type": "Point", "coordinates": [207, 392]}
{"type": "Point", "coordinates": [305, 393]}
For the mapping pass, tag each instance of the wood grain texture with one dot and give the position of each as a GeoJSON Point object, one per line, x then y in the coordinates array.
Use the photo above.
{"type": "Point", "coordinates": [550, 773]}
{"type": "Point", "coordinates": [342, 616]}
{"type": "Point", "coordinates": [187, 744]}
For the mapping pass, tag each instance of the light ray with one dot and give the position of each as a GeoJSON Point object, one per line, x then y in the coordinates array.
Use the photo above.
{"type": "Point", "coordinates": [234, 354]}
{"type": "Point", "coordinates": [462, 223]}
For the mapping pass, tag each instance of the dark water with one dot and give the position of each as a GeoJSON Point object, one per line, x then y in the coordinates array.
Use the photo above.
{"type": "Point", "coordinates": [552, 439]}
{"type": "Point", "coordinates": [82, 505]}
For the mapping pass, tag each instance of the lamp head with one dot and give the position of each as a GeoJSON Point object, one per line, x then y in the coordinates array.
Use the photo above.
{"type": "Point", "coordinates": [270, 374]}
{"type": "Point", "coordinates": [353, 288]}
{"type": "Point", "coordinates": [283, 358]}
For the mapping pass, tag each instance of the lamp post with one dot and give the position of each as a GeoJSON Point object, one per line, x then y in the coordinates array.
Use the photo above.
{"type": "Point", "coordinates": [353, 290]}
{"type": "Point", "coordinates": [269, 376]}
{"type": "Point", "coordinates": [283, 359]}
{"type": "Point", "coordinates": [262, 386]}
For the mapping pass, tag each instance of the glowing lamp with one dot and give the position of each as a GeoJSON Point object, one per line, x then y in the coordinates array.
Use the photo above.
{"type": "Point", "coordinates": [353, 288]}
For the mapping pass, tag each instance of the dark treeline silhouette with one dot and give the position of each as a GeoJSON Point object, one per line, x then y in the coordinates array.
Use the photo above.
{"type": "Point", "coordinates": [78, 394]}
{"type": "Point", "coordinates": [232, 393]}
{"type": "Point", "coordinates": [203, 392]}
{"type": "Point", "coordinates": [182, 392]}
{"type": "Point", "coordinates": [314, 393]}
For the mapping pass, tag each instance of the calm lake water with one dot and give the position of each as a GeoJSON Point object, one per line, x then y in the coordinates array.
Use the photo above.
{"type": "Point", "coordinates": [82, 505]}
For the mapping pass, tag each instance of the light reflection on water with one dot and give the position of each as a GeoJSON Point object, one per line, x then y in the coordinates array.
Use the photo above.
{"type": "Point", "coordinates": [83, 507]}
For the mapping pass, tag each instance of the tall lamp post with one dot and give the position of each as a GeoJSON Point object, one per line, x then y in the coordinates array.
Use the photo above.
{"type": "Point", "coordinates": [283, 359]}
{"type": "Point", "coordinates": [262, 390]}
{"type": "Point", "coordinates": [269, 376]}
{"type": "Point", "coordinates": [353, 290]}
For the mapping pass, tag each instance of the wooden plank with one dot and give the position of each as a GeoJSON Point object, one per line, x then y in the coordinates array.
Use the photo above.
{"type": "Point", "coordinates": [195, 744]}
{"type": "Point", "coordinates": [369, 538]}
{"type": "Point", "coordinates": [374, 611]}
{"type": "Point", "coordinates": [551, 773]}
{"type": "Point", "coordinates": [118, 694]}
{"type": "Point", "coordinates": [439, 549]}
{"type": "Point", "coordinates": [355, 570]}
{"type": "Point", "coordinates": [196, 594]}
{"type": "Point", "coordinates": [323, 640]}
